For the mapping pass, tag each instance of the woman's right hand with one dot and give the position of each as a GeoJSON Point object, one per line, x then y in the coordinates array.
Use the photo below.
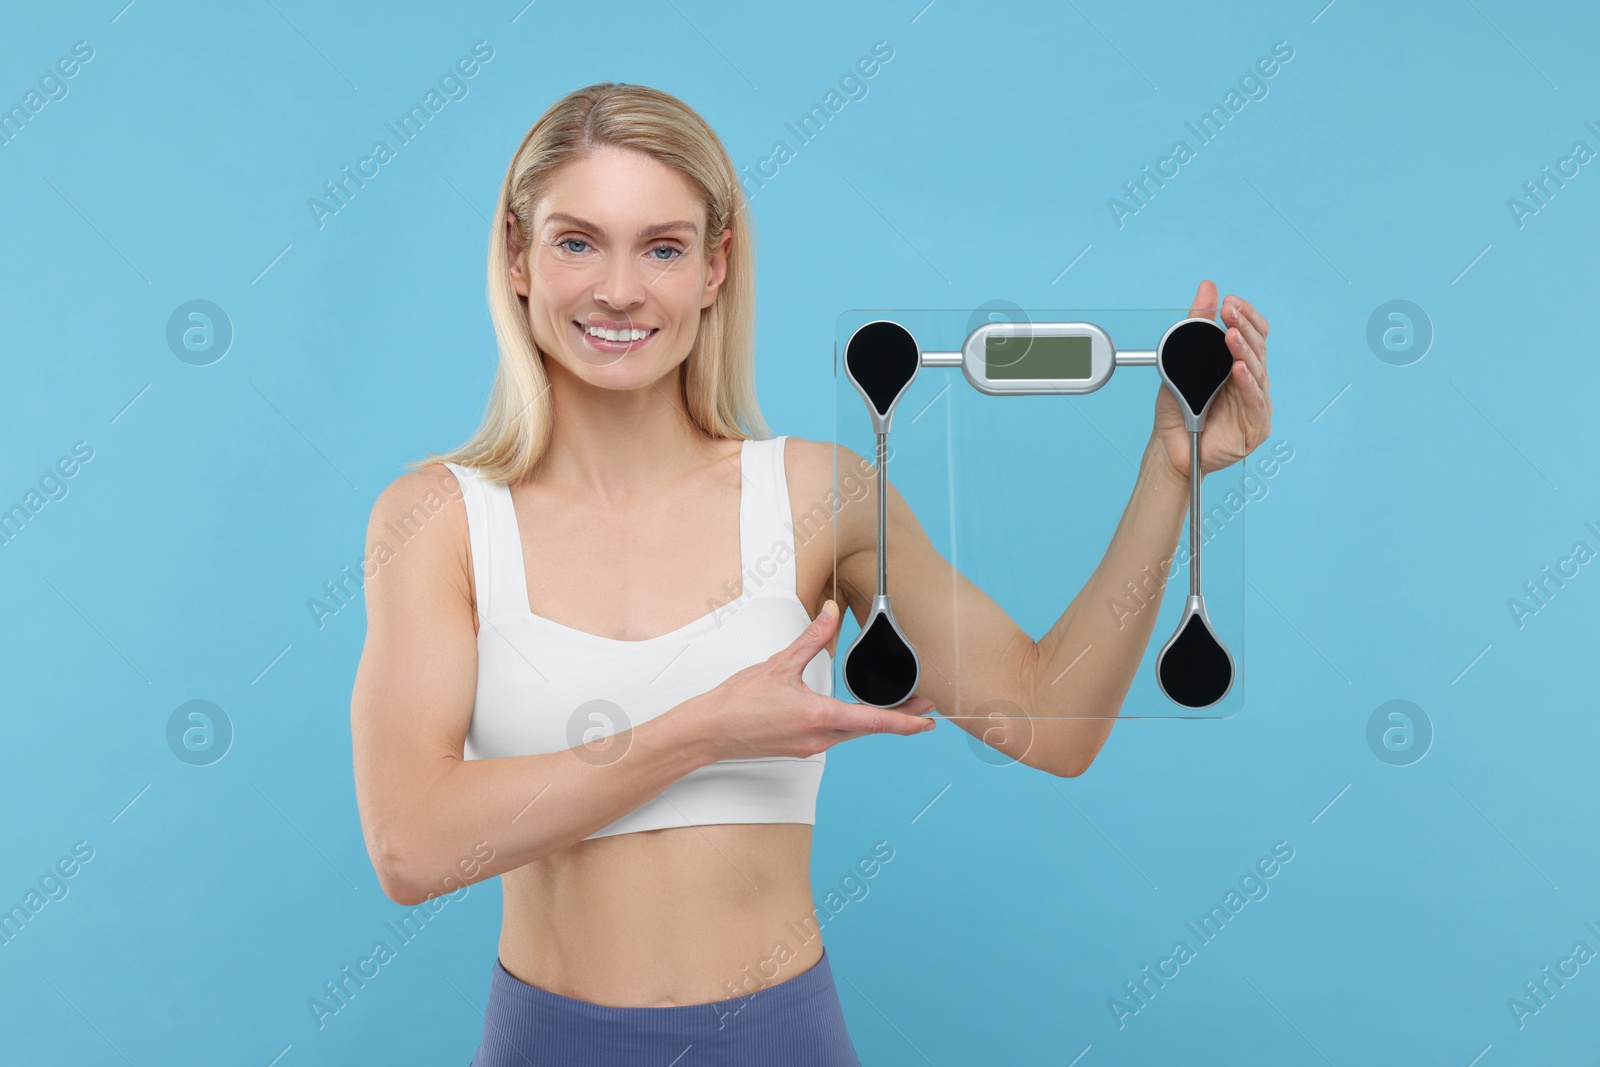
{"type": "Point", "coordinates": [768, 710]}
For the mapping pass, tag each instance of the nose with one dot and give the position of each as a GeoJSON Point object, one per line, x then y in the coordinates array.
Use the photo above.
{"type": "Point", "coordinates": [623, 286]}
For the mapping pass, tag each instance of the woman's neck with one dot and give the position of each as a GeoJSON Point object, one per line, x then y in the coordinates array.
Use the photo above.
{"type": "Point", "coordinates": [618, 445]}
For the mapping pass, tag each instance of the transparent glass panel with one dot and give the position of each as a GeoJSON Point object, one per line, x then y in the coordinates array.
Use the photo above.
{"type": "Point", "coordinates": [1000, 570]}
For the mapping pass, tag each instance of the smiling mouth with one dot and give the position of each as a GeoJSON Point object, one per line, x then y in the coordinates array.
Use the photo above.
{"type": "Point", "coordinates": [625, 340]}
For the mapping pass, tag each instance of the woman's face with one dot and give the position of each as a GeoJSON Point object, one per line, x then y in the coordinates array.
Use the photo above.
{"type": "Point", "coordinates": [618, 245]}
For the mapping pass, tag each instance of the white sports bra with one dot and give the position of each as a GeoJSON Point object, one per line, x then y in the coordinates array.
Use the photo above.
{"type": "Point", "coordinates": [545, 687]}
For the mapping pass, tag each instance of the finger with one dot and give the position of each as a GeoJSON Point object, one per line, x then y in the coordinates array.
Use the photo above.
{"type": "Point", "coordinates": [1264, 417]}
{"type": "Point", "coordinates": [812, 639]}
{"type": "Point", "coordinates": [1239, 344]}
{"type": "Point", "coordinates": [1205, 301]}
{"type": "Point", "coordinates": [917, 704]}
{"type": "Point", "coordinates": [1256, 405]}
{"type": "Point", "coordinates": [1255, 317]}
{"type": "Point", "coordinates": [1235, 315]}
{"type": "Point", "coordinates": [859, 719]}
{"type": "Point", "coordinates": [886, 721]}
{"type": "Point", "coordinates": [1233, 312]}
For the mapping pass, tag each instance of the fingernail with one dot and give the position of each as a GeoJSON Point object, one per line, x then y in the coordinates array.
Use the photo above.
{"type": "Point", "coordinates": [827, 610]}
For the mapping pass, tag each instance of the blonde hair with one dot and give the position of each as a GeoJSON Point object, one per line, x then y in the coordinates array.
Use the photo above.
{"type": "Point", "coordinates": [718, 377]}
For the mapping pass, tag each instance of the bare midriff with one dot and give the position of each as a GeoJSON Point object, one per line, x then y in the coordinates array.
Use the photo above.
{"type": "Point", "coordinates": [686, 915]}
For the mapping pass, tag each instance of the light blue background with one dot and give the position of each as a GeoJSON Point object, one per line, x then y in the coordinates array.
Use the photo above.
{"type": "Point", "coordinates": [1420, 898]}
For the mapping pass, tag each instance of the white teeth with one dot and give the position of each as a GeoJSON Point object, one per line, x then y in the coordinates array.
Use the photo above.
{"type": "Point", "coordinates": [618, 335]}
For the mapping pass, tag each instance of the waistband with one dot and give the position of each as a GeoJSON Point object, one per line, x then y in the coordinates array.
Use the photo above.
{"type": "Point", "coordinates": [675, 1020]}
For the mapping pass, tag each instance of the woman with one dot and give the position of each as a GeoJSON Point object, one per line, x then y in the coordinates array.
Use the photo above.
{"type": "Point", "coordinates": [600, 664]}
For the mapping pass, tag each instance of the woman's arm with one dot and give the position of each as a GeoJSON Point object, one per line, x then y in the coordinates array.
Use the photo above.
{"type": "Point", "coordinates": [1051, 704]}
{"type": "Point", "coordinates": [432, 820]}
{"type": "Point", "coordinates": [1085, 665]}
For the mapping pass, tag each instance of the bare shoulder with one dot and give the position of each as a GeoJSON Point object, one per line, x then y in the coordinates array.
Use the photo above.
{"type": "Point", "coordinates": [808, 463]}
{"type": "Point", "coordinates": [418, 531]}
{"type": "Point", "coordinates": [829, 484]}
{"type": "Point", "coordinates": [419, 497]}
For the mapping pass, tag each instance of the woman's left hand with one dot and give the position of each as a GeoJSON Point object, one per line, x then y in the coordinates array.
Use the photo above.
{"type": "Point", "coordinates": [1240, 416]}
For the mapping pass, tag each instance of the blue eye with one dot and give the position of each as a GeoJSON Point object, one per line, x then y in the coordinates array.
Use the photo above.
{"type": "Point", "coordinates": [676, 253]}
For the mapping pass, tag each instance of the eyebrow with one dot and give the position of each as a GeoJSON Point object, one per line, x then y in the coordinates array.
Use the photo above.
{"type": "Point", "coordinates": [649, 231]}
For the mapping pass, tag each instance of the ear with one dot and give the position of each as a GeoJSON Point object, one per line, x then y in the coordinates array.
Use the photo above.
{"type": "Point", "coordinates": [516, 255]}
{"type": "Point", "coordinates": [719, 266]}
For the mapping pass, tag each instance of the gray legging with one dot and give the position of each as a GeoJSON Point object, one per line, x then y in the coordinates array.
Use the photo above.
{"type": "Point", "coordinates": [797, 1022]}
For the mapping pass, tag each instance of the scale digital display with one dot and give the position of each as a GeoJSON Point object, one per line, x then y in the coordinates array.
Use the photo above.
{"type": "Point", "coordinates": [1036, 358]}
{"type": "Point", "coordinates": [1041, 358]}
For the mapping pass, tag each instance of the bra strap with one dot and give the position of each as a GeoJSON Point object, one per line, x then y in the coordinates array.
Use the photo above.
{"type": "Point", "coordinates": [499, 579]}
{"type": "Point", "coordinates": [770, 558]}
